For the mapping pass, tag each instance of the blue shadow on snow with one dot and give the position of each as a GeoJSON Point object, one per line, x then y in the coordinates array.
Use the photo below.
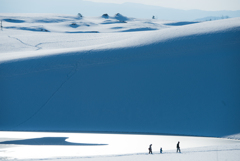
{"type": "Point", "coordinates": [13, 20]}
{"type": "Point", "coordinates": [139, 29]}
{"type": "Point", "coordinates": [38, 29]}
{"type": "Point", "coordinates": [47, 141]}
{"type": "Point", "coordinates": [180, 23]}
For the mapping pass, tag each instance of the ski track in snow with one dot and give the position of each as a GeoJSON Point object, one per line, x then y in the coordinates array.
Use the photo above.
{"type": "Point", "coordinates": [69, 76]}
{"type": "Point", "coordinates": [21, 41]}
{"type": "Point", "coordinates": [36, 46]}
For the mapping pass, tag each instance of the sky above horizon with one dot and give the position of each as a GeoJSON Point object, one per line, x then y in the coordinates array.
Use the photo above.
{"type": "Point", "coordinates": [64, 6]}
{"type": "Point", "coordinates": [161, 9]}
{"type": "Point", "coordinates": [207, 5]}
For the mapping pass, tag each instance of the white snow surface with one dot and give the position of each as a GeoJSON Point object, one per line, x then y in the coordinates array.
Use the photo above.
{"type": "Point", "coordinates": [115, 74]}
{"type": "Point", "coordinates": [33, 32]}
{"type": "Point", "coordinates": [32, 146]}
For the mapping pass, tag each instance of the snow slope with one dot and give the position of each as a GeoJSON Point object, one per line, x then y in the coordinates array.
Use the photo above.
{"type": "Point", "coordinates": [170, 80]}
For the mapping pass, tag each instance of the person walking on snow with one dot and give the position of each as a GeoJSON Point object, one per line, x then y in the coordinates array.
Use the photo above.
{"type": "Point", "coordinates": [161, 150]}
{"type": "Point", "coordinates": [150, 149]}
{"type": "Point", "coordinates": [178, 147]}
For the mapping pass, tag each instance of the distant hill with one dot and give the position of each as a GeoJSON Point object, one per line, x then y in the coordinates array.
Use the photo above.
{"type": "Point", "coordinates": [145, 11]}
{"type": "Point", "coordinates": [97, 9]}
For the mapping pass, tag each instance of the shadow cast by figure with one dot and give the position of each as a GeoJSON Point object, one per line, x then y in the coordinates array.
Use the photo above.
{"type": "Point", "coordinates": [47, 141]}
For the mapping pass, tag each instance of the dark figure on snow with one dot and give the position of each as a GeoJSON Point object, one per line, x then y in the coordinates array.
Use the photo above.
{"type": "Point", "coordinates": [178, 147]}
{"type": "Point", "coordinates": [161, 150]}
{"type": "Point", "coordinates": [150, 149]}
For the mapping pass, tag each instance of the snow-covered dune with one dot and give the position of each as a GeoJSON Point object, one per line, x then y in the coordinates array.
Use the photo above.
{"type": "Point", "coordinates": [172, 80]}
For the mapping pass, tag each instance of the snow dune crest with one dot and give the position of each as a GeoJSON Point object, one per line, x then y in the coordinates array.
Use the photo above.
{"type": "Point", "coordinates": [195, 31]}
{"type": "Point", "coordinates": [173, 80]}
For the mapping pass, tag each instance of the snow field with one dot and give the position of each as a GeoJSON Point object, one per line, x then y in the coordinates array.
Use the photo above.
{"type": "Point", "coordinates": [112, 146]}
{"type": "Point", "coordinates": [118, 75]}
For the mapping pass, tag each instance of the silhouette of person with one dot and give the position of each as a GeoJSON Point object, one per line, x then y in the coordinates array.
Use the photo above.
{"type": "Point", "coordinates": [161, 150]}
{"type": "Point", "coordinates": [178, 147]}
{"type": "Point", "coordinates": [150, 149]}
